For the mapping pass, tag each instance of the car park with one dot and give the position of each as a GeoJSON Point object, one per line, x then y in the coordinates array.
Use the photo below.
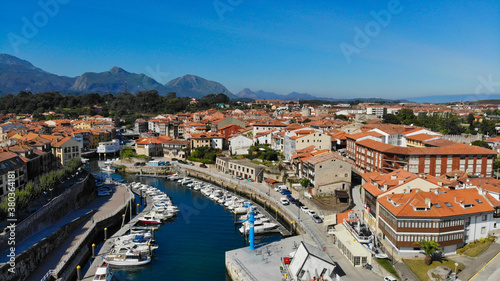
{"type": "Point", "coordinates": [284, 201]}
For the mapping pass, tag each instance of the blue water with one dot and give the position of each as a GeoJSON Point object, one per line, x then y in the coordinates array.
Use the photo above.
{"type": "Point", "coordinates": [192, 246]}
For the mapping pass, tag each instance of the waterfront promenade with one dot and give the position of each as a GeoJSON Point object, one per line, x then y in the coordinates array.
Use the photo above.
{"type": "Point", "coordinates": [104, 206]}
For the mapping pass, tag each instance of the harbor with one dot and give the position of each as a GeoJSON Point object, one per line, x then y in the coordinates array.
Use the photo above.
{"type": "Point", "coordinates": [187, 245]}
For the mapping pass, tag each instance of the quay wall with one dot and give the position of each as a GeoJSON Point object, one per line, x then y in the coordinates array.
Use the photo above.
{"type": "Point", "coordinates": [237, 271]}
{"type": "Point", "coordinates": [70, 200]}
{"type": "Point", "coordinates": [66, 269]}
{"type": "Point", "coordinates": [28, 260]}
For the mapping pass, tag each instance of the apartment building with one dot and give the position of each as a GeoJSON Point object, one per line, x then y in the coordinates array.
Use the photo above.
{"type": "Point", "coordinates": [213, 140]}
{"type": "Point", "coordinates": [11, 167]}
{"type": "Point", "coordinates": [449, 217]}
{"type": "Point", "coordinates": [240, 167]}
{"type": "Point", "coordinates": [370, 155]}
{"type": "Point", "coordinates": [66, 149]}
{"type": "Point", "coordinates": [302, 138]}
{"type": "Point", "coordinates": [327, 173]}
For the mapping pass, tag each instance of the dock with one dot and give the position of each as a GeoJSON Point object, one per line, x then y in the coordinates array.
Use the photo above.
{"type": "Point", "coordinates": [263, 263]}
{"type": "Point", "coordinates": [151, 176]}
{"type": "Point", "coordinates": [108, 244]}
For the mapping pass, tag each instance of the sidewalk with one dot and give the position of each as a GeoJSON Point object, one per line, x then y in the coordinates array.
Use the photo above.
{"type": "Point", "coordinates": [473, 265]}
{"type": "Point", "coordinates": [104, 206]}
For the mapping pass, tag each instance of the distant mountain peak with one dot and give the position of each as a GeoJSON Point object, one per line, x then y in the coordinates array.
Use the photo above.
{"type": "Point", "coordinates": [194, 86]}
{"type": "Point", "coordinates": [12, 60]}
{"type": "Point", "coordinates": [116, 70]}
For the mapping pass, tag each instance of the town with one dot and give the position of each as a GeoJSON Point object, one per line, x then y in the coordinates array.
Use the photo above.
{"type": "Point", "coordinates": [392, 190]}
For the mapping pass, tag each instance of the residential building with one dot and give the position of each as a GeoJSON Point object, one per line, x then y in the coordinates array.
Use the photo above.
{"type": "Point", "coordinates": [327, 173]}
{"type": "Point", "coordinates": [149, 147]}
{"type": "Point", "coordinates": [301, 138]}
{"type": "Point", "coordinates": [140, 126]}
{"type": "Point", "coordinates": [66, 149]}
{"type": "Point", "coordinates": [240, 167]}
{"type": "Point", "coordinates": [176, 148]}
{"type": "Point", "coordinates": [11, 163]}
{"type": "Point", "coordinates": [240, 144]}
{"type": "Point", "coordinates": [214, 140]}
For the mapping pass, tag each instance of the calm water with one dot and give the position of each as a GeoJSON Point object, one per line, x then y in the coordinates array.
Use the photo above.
{"type": "Point", "coordinates": [193, 246]}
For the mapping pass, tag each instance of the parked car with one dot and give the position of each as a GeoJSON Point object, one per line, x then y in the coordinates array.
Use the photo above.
{"type": "Point", "coordinates": [317, 219]}
{"type": "Point", "coordinates": [368, 266]}
{"type": "Point", "coordinates": [390, 278]}
{"type": "Point", "coordinates": [311, 212]}
{"type": "Point", "coordinates": [137, 164]}
{"type": "Point", "coordinates": [304, 209]}
{"type": "Point", "coordinates": [292, 200]}
{"type": "Point", "coordinates": [142, 164]}
{"type": "Point", "coordinates": [190, 163]}
{"type": "Point", "coordinates": [284, 201]}
{"type": "Point", "coordinates": [203, 165]}
{"type": "Point", "coordinates": [286, 191]}
{"type": "Point", "coordinates": [239, 178]}
{"type": "Point", "coordinates": [298, 203]}
{"type": "Point", "coordinates": [174, 159]}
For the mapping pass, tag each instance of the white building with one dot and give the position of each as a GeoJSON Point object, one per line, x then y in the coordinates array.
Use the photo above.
{"type": "Point", "coordinates": [309, 262]}
{"type": "Point", "coordinates": [240, 144]}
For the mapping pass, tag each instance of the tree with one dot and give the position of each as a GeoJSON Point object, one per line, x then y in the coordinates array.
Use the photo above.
{"type": "Point", "coordinates": [305, 182]}
{"type": "Point", "coordinates": [481, 143]}
{"type": "Point", "coordinates": [470, 119]}
{"type": "Point", "coordinates": [429, 247]}
{"type": "Point", "coordinates": [390, 119]}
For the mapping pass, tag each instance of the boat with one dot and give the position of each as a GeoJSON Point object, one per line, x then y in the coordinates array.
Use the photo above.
{"type": "Point", "coordinates": [108, 168]}
{"type": "Point", "coordinates": [150, 219]}
{"type": "Point", "coordinates": [103, 273]}
{"type": "Point", "coordinates": [84, 160]}
{"type": "Point", "coordinates": [263, 228]}
{"type": "Point", "coordinates": [359, 230]}
{"type": "Point", "coordinates": [127, 257]}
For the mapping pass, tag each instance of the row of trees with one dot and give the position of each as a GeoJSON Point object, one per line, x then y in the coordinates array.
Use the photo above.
{"type": "Point", "coordinates": [125, 105]}
{"type": "Point", "coordinates": [34, 189]}
{"type": "Point", "coordinates": [448, 124]}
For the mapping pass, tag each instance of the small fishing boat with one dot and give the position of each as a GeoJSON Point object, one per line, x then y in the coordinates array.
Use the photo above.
{"type": "Point", "coordinates": [103, 273]}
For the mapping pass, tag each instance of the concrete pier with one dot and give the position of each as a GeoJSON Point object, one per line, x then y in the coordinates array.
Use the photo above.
{"type": "Point", "coordinates": [108, 244]}
{"type": "Point", "coordinates": [265, 262]}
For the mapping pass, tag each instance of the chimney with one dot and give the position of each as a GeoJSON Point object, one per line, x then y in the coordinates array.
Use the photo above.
{"type": "Point", "coordinates": [456, 176]}
{"type": "Point", "coordinates": [393, 177]}
{"type": "Point", "coordinates": [401, 181]}
{"type": "Point", "coordinates": [428, 202]}
{"type": "Point", "coordinates": [385, 186]}
{"type": "Point", "coordinates": [440, 183]}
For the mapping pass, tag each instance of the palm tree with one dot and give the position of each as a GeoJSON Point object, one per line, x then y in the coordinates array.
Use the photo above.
{"type": "Point", "coordinates": [429, 247]}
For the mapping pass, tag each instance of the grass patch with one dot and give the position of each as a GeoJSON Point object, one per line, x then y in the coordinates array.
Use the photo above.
{"type": "Point", "coordinates": [266, 163]}
{"type": "Point", "coordinates": [475, 248]}
{"type": "Point", "coordinates": [419, 268]}
{"type": "Point", "coordinates": [385, 263]}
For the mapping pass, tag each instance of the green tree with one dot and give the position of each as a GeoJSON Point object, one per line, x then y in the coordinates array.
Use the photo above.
{"type": "Point", "coordinates": [481, 143]}
{"type": "Point", "coordinates": [429, 247]}
{"type": "Point", "coordinates": [305, 182]}
{"type": "Point", "coordinates": [390, 119]}
{"type": "Point", "coordinates": [470, 119]}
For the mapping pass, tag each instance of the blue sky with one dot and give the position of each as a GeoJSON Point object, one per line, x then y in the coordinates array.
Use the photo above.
{"type": "Point", "coordinates": [426, 48]}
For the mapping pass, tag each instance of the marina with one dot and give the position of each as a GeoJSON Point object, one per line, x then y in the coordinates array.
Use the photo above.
{"type": "Point", "coordinates": [188, 247]}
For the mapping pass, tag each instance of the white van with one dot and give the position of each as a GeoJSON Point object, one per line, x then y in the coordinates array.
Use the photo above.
{"type": "Point", "coordinates": [279, 188]}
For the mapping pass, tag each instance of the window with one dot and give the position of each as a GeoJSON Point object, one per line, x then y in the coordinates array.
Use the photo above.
{"type": "Point", "coordinates": [479, 201]}
{"type": "Point", "coordinates": [485, 217]}
{"type": "Point", "coordinates": [483, 230]}
{"type": "Point", "coordinates": [447, 204]}
{"type": "Point", "coordinates": [437, 205]}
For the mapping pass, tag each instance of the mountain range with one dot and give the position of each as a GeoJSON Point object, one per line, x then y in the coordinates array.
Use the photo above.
{"type": "Point", "coordinates": [20, 75]}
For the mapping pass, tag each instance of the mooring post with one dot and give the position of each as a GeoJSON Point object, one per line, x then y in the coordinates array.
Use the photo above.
{"type": "Point", "coordinates": [79, 273]}
{"type": "Point", "coordinates": [93, 251]}
{"type": "Point", "coordinates": [105, 233]}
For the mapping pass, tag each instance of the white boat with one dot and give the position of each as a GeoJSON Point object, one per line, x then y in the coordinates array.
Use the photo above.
{"type": "Point", "coordinates": [127, 257]}
{"type": "Point", "coordinates": [84, 160]}
{"type": "Point", "coordinates": [174, 177]}
{"type": "Point", "coordinates": [103, 273]}
{"type": "Point", "coordinates": [150, 219]}
{"type": "Point", "coordinates": [263, 228]}
{"type": "Point", "coordinates": [108, 168]}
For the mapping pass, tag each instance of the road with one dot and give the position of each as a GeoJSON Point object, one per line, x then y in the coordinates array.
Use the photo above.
{"type": "Point", "coordinates": [490, 272]}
